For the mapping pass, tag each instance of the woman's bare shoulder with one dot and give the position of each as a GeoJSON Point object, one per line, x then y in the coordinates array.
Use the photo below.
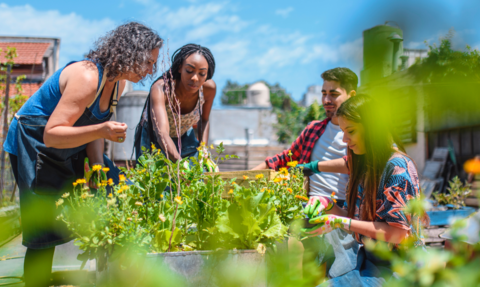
{"type": "Point", "coordinates": [209, 88]}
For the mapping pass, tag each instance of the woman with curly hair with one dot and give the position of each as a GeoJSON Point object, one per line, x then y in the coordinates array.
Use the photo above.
{"type": "Point", "coordinates": [66, 120]}
{"type": "Point", "coordinates": [383, 180]}
{"type": "Point", "coordinates": [185, 91]}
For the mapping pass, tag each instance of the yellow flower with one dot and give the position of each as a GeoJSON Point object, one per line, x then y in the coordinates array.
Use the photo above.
{"type": "Point", "coordinates": [81, 180]}
{"type": "Point", "coordinates": [110, 195]}
{"type": "Point", "coordinates": [262, 190]}
{"type": "Point", "coordinates": [304, 198]}
{"type": "Point", "coordinates": [104, 183]}
{"type": "Point", "coordinates": [178, 200]}
{"type": "Point", "coordinates": [105, 169]}
{"type": "Point", "coordinates": [234, 183]}
{"type": "Point", "coordinates": [283, 171]}
{"type": "Point", "coordinates": [153, 147]}
{"type": "Point", "coordinates": [65, 195]}
{"type": "Point", "coordinates": [230, 191]}
{"type": "Point", "coordinates": [277, 180]}
{"type": "Point", "coordinates": [75, 183]}
{"type": "Point", "coordinates": [110, 181]}
{"type": "Point", "coordinates": [245, 177]}
{"type": "Point", "coordinates": [294, 176]}
{"type": "Point", "coordinates": [96, 167]}
{"type": "Point", "coordinates": [259, 176]}
{"type": "Point", "coordinates": [289, 153]}
{"type": "Point", "coordinates": [285, 184]}
{"type": "Point", "coordinates": [292, 163]}
{"type": "Point", "coordinates": [59, 202]}
{"type": "Point", "coordinates": [289, 190]}
{"type": "Point", "coordinates": [161, 195]}
{"type": "Point", "coordinates": [121, 177]}
{"type": "Point", "coordinates": [211, 146]}
{"type": "Point", "coordinates": [202, 144]}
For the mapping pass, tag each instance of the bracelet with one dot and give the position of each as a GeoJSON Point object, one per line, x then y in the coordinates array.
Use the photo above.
{"type": "Point", "coordinates": [350, 224]}
{"type": "Point", "coordinates": [331, 204]}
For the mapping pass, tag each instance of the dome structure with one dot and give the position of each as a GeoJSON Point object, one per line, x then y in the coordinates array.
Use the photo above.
{"type": "Point", "coordinates": [258, 95]}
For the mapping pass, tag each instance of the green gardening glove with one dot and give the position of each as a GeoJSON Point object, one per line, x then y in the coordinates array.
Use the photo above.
{"type": "Point", "coordinates": [310, 168]}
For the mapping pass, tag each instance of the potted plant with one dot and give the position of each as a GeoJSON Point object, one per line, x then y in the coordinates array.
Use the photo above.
{"type": "Point", "coordinates": [451, 204]}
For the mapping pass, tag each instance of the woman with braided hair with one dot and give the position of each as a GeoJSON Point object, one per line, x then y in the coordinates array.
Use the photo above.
{"type": "Point", "coordinates": [180, 98]}
{"type": "Point", "coordinates": [66, 120]}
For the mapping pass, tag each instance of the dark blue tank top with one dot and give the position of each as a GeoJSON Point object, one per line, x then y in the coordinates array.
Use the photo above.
{"type": "Point", "coordinates": [45, 100]}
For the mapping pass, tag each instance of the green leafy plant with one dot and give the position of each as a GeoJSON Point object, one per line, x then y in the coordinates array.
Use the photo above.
{"type": "Point", "coordinates": [457, 193]}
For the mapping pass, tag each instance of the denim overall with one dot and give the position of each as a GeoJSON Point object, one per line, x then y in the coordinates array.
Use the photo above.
{"type": "Point", "coordinates": [145, 135]}
{"type": "Point", "coordinates": [44, 174]}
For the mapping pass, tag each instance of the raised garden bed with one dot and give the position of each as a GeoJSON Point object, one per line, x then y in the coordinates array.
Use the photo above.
{"type": "Point", "coordinates": [194, 268]}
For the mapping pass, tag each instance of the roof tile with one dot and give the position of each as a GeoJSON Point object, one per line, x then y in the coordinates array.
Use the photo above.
{"type": "Point", "coordinates": [28, 53]}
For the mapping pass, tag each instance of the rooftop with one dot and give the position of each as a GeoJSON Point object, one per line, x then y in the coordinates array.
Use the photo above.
{"type": "Point", "coordinates": [28, 53]}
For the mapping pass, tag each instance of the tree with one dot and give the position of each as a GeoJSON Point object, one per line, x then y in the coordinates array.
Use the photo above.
{"type": "Point", "coordinates": [13, 105]}
{"type": "Point", "coordinates": [233, 93]}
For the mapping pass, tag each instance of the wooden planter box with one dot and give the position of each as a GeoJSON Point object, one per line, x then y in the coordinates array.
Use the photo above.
{"type": "Point", "coordinates": [442, 217]}
{"type": "Point", "coordinates": [9, 223]}
{"type": "Point", "coordinates": [197, 268]}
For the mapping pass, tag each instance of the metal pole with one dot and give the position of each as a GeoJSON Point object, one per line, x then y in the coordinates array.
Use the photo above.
{"type": "Point", "coordinates": [5, 131]}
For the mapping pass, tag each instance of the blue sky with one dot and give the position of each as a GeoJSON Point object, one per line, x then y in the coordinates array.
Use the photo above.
{"type": "Point", "coordinates": [289, 42]}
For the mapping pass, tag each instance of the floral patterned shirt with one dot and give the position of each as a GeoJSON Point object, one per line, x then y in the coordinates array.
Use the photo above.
{"type": "Point", "coordinates": [399, 184]}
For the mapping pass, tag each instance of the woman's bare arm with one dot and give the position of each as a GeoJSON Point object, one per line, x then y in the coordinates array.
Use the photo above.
{"type": "Point", "coordinates": [79, 85]}
{"type": "Point", "coordinates": [379, 230]}
{"type": "Point", "coordinates": [335, 166]}
{"type": "Point", "coordinates": [160, 121]}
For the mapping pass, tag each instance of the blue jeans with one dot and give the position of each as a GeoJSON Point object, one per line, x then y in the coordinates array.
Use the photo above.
{"type": "Point", "coordinates": [369, 271]}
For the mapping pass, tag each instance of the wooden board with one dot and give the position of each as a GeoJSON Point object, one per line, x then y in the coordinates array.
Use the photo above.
{"type": "Point", "coordinates": [431, 234]}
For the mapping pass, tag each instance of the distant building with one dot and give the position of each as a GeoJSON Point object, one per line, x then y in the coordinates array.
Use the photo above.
{"type": "Point", "coordinates": [314, 93]}
{"type": "Point", "coordinates": [37, 59]}
{"type": "Point", "coordinates": [258, 95]}
{"type": "Point", "coordinates": [411, 56]}
{"type": "Point", "coordinates": [251, 123]}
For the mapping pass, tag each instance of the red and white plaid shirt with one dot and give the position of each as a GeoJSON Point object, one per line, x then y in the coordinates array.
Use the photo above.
{"type": "Point", "coordinates": [301, 148]}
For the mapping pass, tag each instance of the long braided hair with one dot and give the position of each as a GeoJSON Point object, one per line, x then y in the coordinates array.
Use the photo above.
{"type": "Point", "coordinates": [184, 52]}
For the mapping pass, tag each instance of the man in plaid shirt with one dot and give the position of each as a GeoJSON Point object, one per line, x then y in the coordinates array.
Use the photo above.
{"type": "Point", "coordinates": [322, 140]}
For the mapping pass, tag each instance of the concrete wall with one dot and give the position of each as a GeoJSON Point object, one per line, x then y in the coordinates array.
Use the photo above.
{"type": "Point", "coordinates": [230, 123]}
{"type": "Point", "coordinates": [129, 110]}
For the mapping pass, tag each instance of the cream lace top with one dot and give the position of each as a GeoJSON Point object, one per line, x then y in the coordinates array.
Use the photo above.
{"type": "Point", "coordinates": [187, 120]}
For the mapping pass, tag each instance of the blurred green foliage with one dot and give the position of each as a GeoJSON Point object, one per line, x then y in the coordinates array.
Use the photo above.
{"type": "Point", "coordinates": [457, 193]}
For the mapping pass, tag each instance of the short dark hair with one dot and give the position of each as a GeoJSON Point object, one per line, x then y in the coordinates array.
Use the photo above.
{"type": "Point", "coordinates": [127, 48]}
{"type": "Point", "coordinates": [346, 77]}
{"type": "Point", "coordinates": [182, 53]}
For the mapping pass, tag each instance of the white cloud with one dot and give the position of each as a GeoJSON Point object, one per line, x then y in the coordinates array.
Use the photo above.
{"type": "Point", "coordinates": [244, 50]}
{"type": "Point", "coordinates": [77, 34]}
{"type": "Point", "coordinates": [284, 12]}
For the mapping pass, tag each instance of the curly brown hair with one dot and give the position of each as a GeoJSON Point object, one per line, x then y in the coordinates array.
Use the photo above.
{"type": "Point", "coordinates": [125, 49]}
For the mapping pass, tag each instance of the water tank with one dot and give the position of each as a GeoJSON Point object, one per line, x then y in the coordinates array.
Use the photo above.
{"type": "Point", "coordinates": [129, 110]}
{"type": "Point", "coordinates": [382, 48]}
{"type": "Point", "coordinates": [258, 95]}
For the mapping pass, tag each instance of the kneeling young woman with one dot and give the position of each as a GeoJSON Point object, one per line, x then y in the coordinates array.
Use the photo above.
{"type": "Point", "coordinates": [383, 179]}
